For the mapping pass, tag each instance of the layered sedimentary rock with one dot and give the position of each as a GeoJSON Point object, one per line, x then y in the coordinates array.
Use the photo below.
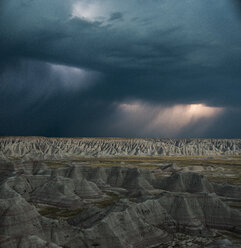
{"type": "Point", "coordinates": [40, 147]}
{"type": "Point", "coordinates": [228, 190]}
{"type": "Point", "coordinates": [16, 212]}
{"type": "Point", "coordinates": [48, 201]}
{"type": "Point", "coordinates": [186, 182]}
{"type": "Point", "coordinates": [107, 206]}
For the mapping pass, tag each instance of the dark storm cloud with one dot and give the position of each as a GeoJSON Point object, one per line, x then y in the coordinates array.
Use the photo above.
{"type": "Point", "coordinates": [46, 31]}
{"type": "Point", "coordinates": [37, 98]}
{"type": "Point", "coordinates": [237, 5]}
{"type": "Point", "coordinates": [116, 16]}
{"type": "Point", "coordinates": [161, 52]}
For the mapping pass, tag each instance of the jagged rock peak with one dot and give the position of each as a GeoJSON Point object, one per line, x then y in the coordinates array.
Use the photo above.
{"type": "Point", "coordinates": [34, 147]}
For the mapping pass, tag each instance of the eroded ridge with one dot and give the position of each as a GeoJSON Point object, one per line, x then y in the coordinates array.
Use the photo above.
{"type": "Point", "coordinates": [75, 204]}
{"type": "Point", "coordinates": [41, 147]}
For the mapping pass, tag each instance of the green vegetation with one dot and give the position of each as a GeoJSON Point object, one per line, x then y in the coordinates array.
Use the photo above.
{"type": "Point", "coordinates": [58, 213]}
{"type": "Point", "coordinates": [55, 163]}
{"type": "Point", "coordinates": [154, 160]}
{"type": "Point", "coordinates": [226, 180]}
{"type": "Point", "coordinates": [224, 164]}
{"type": "Point", "coordinates": [109, 201]}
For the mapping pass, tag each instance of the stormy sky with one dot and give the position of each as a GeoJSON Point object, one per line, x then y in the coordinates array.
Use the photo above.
{"type": "Point", "coordinates": [129, 68]}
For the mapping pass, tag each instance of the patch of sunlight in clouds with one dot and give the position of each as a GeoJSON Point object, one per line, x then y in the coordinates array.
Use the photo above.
{"type": "Point", "coordinates": [166, 121]}
{"type": "Point", "coordinates": [87, 10]}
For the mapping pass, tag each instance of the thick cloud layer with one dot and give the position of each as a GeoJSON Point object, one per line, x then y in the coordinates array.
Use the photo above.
{"type": "Point", "coordinates": [67, 67]}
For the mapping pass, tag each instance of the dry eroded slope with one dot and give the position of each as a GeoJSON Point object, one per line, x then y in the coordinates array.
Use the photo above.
{"type": "Point", "coordinates": [41, 147]}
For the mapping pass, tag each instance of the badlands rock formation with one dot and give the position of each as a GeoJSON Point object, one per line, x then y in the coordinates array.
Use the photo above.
{"type": "Point", "coordinates": [113, 207]}
{"type": "Point", "coordinates": [40, 147]}
{"type": "Point", "coordinates": [48, 203]}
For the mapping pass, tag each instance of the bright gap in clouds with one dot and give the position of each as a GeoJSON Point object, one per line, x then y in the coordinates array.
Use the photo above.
{"type": "Point", "coordinates": [93, 10]}
{"type": "Point", "coordinates": [87, 10]}
{"type": "Point", "coordinates": [164, 121]}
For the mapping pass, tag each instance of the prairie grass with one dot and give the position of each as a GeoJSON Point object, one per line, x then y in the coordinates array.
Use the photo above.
{"type": "Point", "coordinates": [58, 213]}
{"type": "Point", "coordinates": [109, 201]}
{"type": "Point", "coordinates": [56, 164]}
{"type": "Point", "coordinates": [226, 165]}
